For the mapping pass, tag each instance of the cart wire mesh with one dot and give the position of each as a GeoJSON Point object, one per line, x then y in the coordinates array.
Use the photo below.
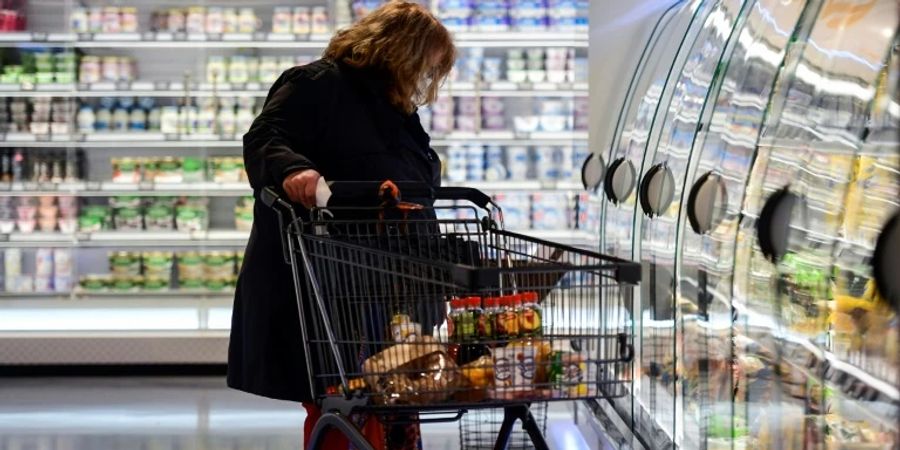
{"type": "Point", "coordinates": [415, 313]}
{"type": "Point", "coordinates": [478, 429]}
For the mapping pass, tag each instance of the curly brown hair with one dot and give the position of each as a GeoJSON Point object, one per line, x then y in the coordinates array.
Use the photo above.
{"type": "Point", "coordinates": [407, 43]}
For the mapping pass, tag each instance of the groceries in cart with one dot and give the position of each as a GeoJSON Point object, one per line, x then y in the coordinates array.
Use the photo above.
{"type": "Point", "coordinates": [495, 351]}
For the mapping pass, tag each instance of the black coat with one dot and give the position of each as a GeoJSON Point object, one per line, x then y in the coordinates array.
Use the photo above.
{"type": "Point", "coordinates": [337, 120]}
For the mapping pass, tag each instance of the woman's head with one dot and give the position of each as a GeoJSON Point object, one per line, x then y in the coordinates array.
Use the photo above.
{"type": "Point", "coordinates": [407, 43]}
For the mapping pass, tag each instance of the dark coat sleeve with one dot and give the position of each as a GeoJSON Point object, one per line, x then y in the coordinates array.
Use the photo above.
{"type": "Point", "coordinates": [283, 138]}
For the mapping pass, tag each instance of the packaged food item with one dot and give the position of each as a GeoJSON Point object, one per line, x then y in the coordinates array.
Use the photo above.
{"type": "Point", "coordinates": [382, 363]}
{"type": "Point", "coordinates": [168, 170]}
{"type": "Point", "coordinates": [43, 262]}
{"type": "Point", "coordinates": [319, 19]}
{"type": "Point", "coordinates": [215, 20]}
{"type": "Point", "coordinates": [127, 214]}
{"type": "Point", "coordinates": [479, 374]}
{"type": "Point", "coordinates": [569, 376]}
{"type": "Point", "coordinates": [230, 20]}
{"type": "Point", "coordinates": [247, 21]}
{"type": "Point", "coordinates": [281, 20]}
{"type": "Point", "coordinates": [190, 270]}
{"type": "Point", "coordinates": [191, 215]}
{"type": "Point", "coordinates": [302, 20]}
{"type": "Point", "coordinates": [157, 264]}
{"type": "Point", "coordinates": [125, 170]}
{"type": "Point", "coordinates": [218, 265]}
{"type": "Point", "coordinates": [78, 20]}
{"type": "Point", "coordinates": [403, 329]}
{"type": "Point", "coordinates": [124, 264]}
{"type": "Point", "coordinates": [93, 218]}
{"type": "Point", "coordinates": [129, 19]}
{"type": "Point", "coordinates": [514, 371]}
{"type": "Point", "coordinates": [243, 214]}
{"type": "Point", "coordinates": [411, 374]}
{"type": "Point", "coordinates": [112, 22]}
{"type": "Point", "coordinates": [127, 284]}
{"type": "Point", "coordinates": [95, 283]}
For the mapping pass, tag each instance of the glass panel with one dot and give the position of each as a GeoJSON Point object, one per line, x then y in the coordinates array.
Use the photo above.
{"type": "Point", "coordinates": [658, 236]}
{"type": "Point", "coordinates": [706, 261]}
{"type": "Point", "coordinates": [816, 142]}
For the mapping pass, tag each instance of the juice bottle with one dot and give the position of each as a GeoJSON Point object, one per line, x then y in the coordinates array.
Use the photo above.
{"type": "Point", "coordinates": [530, 317]}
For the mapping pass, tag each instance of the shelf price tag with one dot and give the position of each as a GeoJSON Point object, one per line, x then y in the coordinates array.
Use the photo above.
{"type": "Point", "coordinates": [180, 36]}
{"type": "Point", "coordinates": [161, 85]}
{"type": "Point", "coordinates": [4, 237]}
{"type": "Point", "coordinates": [145, 185]}
{"type": "Point", "coordinates": [213, 37]}
{"type": "Point", "coordinates": [30, 186]}
{"type": "Point", "coordinates": [523, 135]}
{"type": "Point", "coordinates": [85, 37]}
{"type": "Point", "coordinates": [93, 186]}
{"type": "Point", "coordinates": [39, 37]}
{"type": "Point", "coordinates": [526, 86]}
{"type": "Point", "coordinates": [197, 37]}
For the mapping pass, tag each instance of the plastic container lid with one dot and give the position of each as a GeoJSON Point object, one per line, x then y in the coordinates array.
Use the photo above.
{"type": "Point", "coordinates": [473, 302]}
{"type": "Point", "coordinates": [529, 297]}
{"type": "Point", "coordinates": [458, 303]}
{"type": "Point", "coordinates": [492, 302]}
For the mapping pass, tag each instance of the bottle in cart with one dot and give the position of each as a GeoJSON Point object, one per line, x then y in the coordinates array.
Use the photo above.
{"type": "Point", "coordinates": [530, 315]}
{"type": "Point", "coordinates": [506, 323]}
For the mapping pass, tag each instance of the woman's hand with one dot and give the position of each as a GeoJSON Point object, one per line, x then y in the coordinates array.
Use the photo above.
{"type": "Point", "coordinates": [300, 187]}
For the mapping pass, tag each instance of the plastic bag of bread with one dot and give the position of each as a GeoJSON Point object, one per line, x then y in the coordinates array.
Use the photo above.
{"type": "Point", "coordinates": [431, 378]}
{"type": "Point", "coordinates": [389, 360]}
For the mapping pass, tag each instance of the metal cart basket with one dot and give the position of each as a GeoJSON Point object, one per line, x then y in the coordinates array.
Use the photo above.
{"type": "Point", "coordinates": [414, 314]}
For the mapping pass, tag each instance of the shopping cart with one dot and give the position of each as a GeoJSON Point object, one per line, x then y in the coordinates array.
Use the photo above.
{"type": "Point", "coordinates": [478, 429]}
{"type": "Point", "coordinates": [410, 318]}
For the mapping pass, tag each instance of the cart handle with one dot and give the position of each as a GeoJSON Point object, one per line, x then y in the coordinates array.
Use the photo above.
{"type": "Point", "coordinates": [270, 198]}
{"type": "Point", "coordinates": [363, 192]}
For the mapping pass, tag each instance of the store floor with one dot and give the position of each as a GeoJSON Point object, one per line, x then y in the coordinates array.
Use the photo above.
{"type": "Point", "coordinates": [178, 414]}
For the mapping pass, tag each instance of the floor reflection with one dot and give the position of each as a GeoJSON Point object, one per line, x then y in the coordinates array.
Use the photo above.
{"type": "Point", "coordinates": [181, 414]}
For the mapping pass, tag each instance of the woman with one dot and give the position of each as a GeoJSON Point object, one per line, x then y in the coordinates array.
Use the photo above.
{"type": "Point", "coordinates": [348, 116]}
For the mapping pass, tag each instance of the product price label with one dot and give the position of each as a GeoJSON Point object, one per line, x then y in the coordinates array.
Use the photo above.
{"type": "Point", "coordinates": [26, 87]}
{"type": "Point", "coordinates": [85, 37]}
{"type": "Point", "coordinates": [6, 187]}
{"type": "Point", "coordinates": [237, 37]}
{"type": "Point", "coordinates": [123, 86]}
{"type": "Point", "coordinates": [4, 238]}
{"type": "Point", "coordinates": [253, 86]}
{"type": "Point", "coordinates": [42, 138]}
{"type": "Point", "coordinates": [30, 186]}
{"type": "Point", "coordinates": [161, 85]}
{"type": "Point", "coordinates": [146, 185]}
{"type": "Point", "coordinates": [93, 185]}
{"type": "Point", "coordinates": [526, 86]}
{"type": "Point", "coordinates": [197, 37]}
{"type": "Point", "coordinates": [213, 37]}
{"type": "Point", "coordinates": [180, 36]}
{"type": "Point", "coordinates": [166, 36]}
{"type": "Point", "coordinates": [39, 37]}
{"type": "Point", "coordinates": [522, 135]}
{"type": "Point", "coordinates": [148, 36]}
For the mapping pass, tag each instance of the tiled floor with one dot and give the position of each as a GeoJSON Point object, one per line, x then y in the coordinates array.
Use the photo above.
{"type": "Point", "coordinates": [176, 414]}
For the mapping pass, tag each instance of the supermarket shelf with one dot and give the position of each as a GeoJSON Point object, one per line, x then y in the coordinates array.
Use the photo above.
{"type": "Point", "coordinates": [161, 140]}
{"type": "Point", "coordinates": [211, 238]}
{"type": "Point", "coordinates": [108, 189]}
{"type": "Point", "coordinates": [205, 90]}
{"type": "Point", "coordinates": [77, 297]}
{"type": "Point", "coordinates": [272, 40]}
{"type": "Point", "coordinates": [237, 189]}
{"type": "Point", "coordinates": [114, 239]}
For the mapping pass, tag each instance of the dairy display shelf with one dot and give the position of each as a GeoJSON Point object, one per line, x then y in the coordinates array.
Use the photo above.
{"type": "Point", "coordinates": [215, 189]}
{"type": "Point", "coordinates": [209, 238]}
{"type": "Point", "coordinates": [160, 140]}
{"type": "Point", "coordinates": [108, 189]}
{"type": "Point", "coordinates": [118, 239]}
{"type": "Point", "coordinates": [167, 40]}
{"type": "Point", "coordinates": [203, 90]}
{"type": "Point", "coordinates": [170, 297]}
